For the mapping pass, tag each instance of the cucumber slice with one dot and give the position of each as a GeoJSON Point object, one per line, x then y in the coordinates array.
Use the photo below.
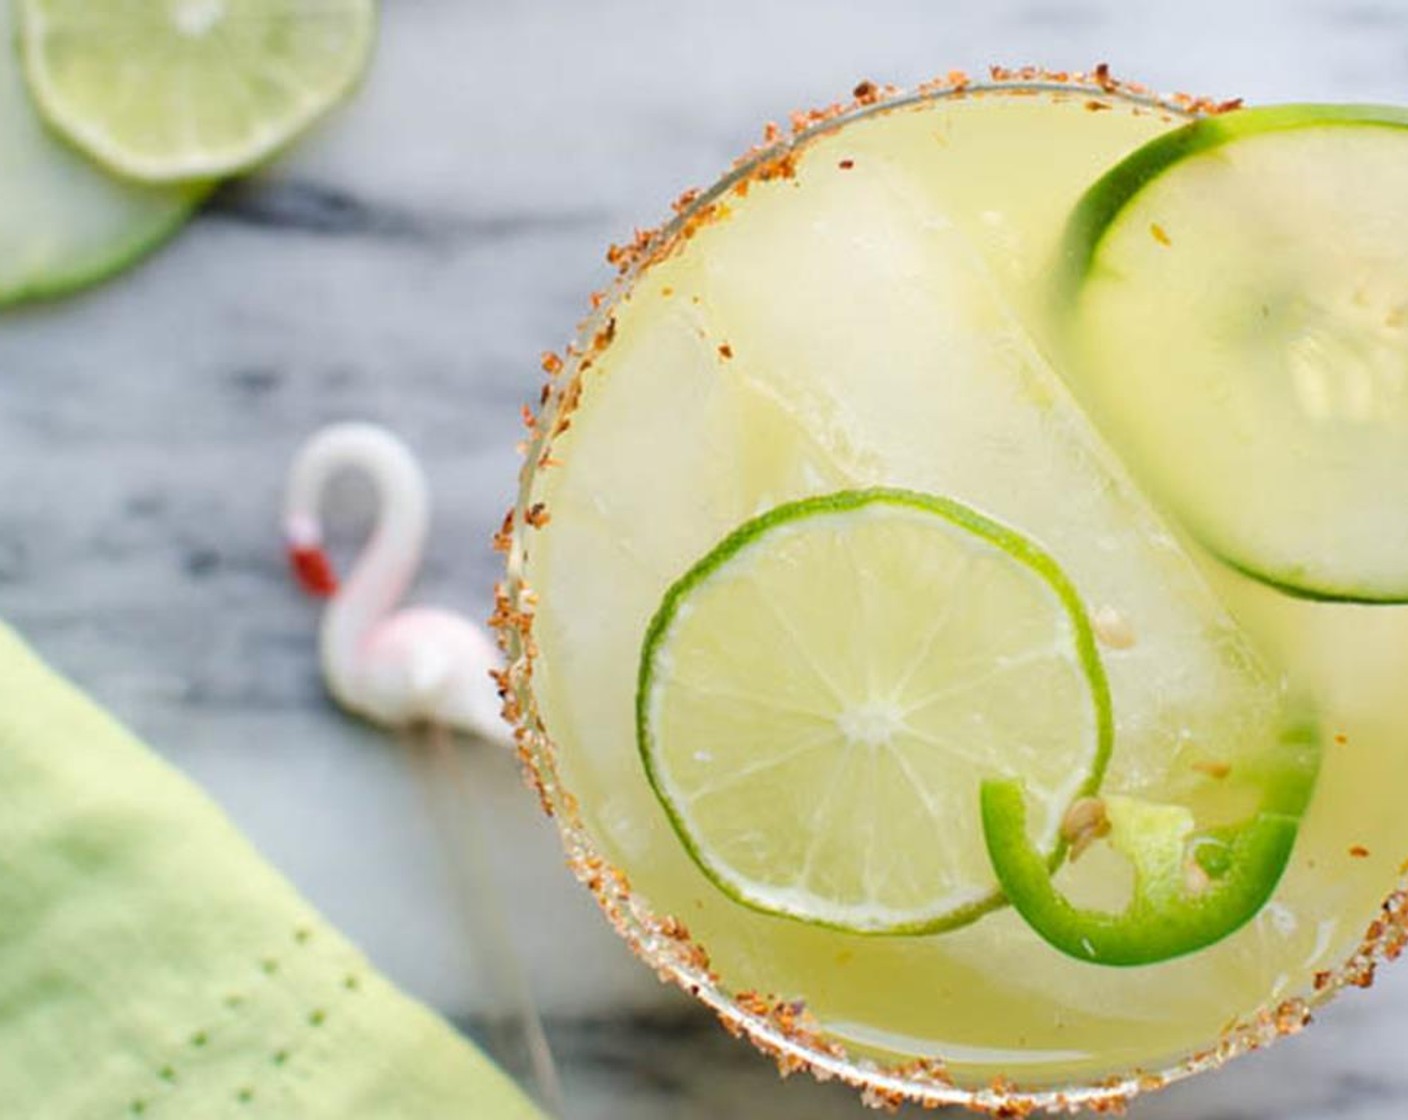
{"type": "Point", "coordinates": [1238, 321]}
{"type": "Point", "coordinates": [64, 223]}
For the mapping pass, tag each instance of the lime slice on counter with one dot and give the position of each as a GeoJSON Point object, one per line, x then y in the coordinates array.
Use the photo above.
{"type": "Point", "coordinates": [177, 89]}
{"type": "Point", "coordinates": [822, 695]}
{"type": "Point", "coordinates": [63, 222]}
{"type": "Point", "coordinates": [1239, 318]}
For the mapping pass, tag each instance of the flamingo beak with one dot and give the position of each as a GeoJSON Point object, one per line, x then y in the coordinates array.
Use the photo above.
{"type": "Point", "coordinates": [313, 570]}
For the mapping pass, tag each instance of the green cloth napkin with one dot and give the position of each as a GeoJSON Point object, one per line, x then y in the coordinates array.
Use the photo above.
{"type": "Point", "coordinates": [152, 965]}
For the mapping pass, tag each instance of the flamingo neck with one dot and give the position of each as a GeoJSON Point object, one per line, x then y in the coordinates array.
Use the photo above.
{"type": "Point", "coordinates": [389, 561]}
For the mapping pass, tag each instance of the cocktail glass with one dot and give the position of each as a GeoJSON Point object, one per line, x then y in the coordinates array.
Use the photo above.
{"type": "Point", "coordinates": [1317, 941]}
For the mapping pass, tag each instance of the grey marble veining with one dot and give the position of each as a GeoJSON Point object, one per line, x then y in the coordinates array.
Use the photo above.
{"type": "Point", "coordinates": [407, 264]}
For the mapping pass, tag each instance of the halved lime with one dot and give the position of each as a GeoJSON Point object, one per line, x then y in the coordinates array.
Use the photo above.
{"type": "Point", "coordinates": [822, 695]}
{"type": "Point", "coordinates": [63, 222]}
{"type": "Point", "coordinates": [178, 89]}
{"type": "Point", "coordinates": [1240, 328]}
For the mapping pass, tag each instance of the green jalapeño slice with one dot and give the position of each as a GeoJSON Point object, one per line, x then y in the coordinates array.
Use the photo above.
{"type": "Point", "coordinates": [1192, 887]}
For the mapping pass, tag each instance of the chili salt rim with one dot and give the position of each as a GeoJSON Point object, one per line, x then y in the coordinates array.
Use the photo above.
{"type": "Point", "coordinates": [783, 1028]}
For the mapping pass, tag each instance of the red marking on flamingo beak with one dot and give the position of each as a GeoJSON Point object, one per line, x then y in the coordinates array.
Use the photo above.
{"type": "Point", "coordinates": [313, 570]}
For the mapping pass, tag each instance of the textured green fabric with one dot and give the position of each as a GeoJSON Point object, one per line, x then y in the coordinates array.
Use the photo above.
{"type": "Point", "coordinates": [151, 964]}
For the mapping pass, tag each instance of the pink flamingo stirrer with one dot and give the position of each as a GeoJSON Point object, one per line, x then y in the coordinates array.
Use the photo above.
{"type": "Point", "coordinates": [424, 673]}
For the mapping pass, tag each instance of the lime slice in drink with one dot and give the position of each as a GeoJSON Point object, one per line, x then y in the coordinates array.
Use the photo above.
{"type": "Point", "coordinates": [1240, 329]}
{"type": "Point", "coordinates": [178, 89]}
{"type": "Point", "coordinates": [823, 694]}
{"type": "Point", "coordinates": [63, 222]}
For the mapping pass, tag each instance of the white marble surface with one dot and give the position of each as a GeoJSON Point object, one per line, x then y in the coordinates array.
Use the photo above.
{"type": "Point", "coordinates": [408, 264]}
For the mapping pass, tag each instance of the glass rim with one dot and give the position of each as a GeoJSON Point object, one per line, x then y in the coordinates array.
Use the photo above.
{"type": "Point", "coordinates": [783, 1028]}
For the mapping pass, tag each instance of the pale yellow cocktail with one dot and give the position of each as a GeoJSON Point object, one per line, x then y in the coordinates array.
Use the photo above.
{"type": "Point", "coordinates": [871, 305]}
